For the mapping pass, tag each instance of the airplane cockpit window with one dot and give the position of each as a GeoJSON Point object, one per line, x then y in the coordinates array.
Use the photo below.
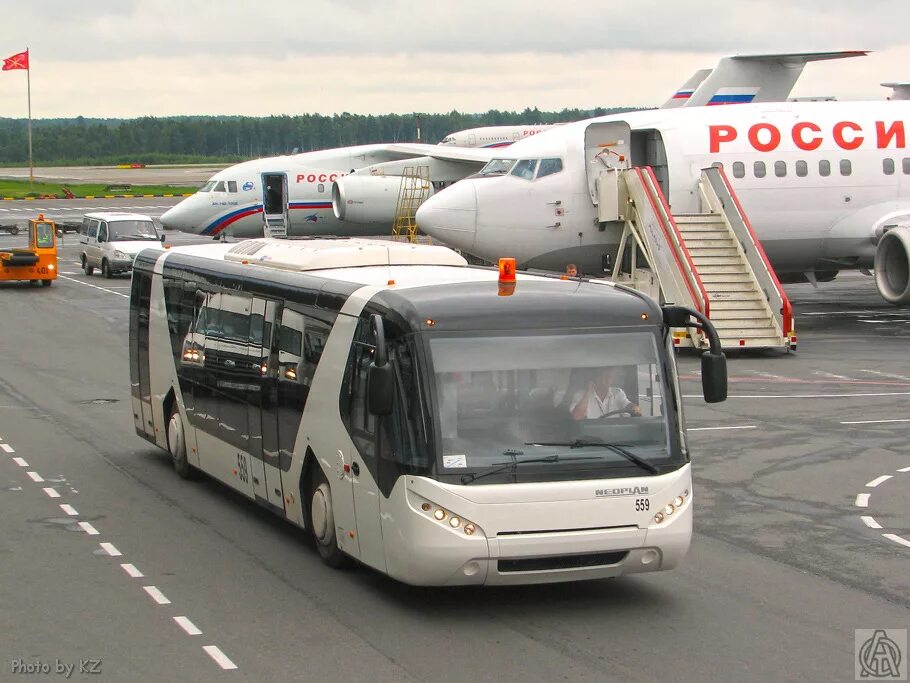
{"type": "Point", "coordinates": [207, 187]}
{"type": "Point", "coordinates": [232, 186]}
{"type": "Point", "coordinates": [525, 169]}
{"type": "Point", "coordinates": [549, 167]}
{"type": "Point", "coordinates": [497, 167]}
{"type": "Point", "coordinates": [219, 187]}
{"type": "Point", "coordinates": [448, 141]}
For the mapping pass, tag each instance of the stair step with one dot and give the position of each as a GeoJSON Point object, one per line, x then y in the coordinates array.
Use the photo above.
{"type": "Point", "coordinates": [714, 288]}
{"type": "Point", "coordinates": [720, 243]}
{"type": "Point", "coordinates": [737, 326]}
{"type": "Point", "coordinates": [734, 303]}
{"type": "Point", "coordinates": [757, 312]}
{"type": "Point", "coordinates": [696, 218]}
{"type": "Point", "coordinates": [702, 261]}
{"type": "Point", "coordinates": [716, 234]}
{"type": "Point", "coordinates": [715, 269]}
{"type": "Point", "coordinates": [722, 278]}
{"type": "Point", "coordinates": [725, 251]}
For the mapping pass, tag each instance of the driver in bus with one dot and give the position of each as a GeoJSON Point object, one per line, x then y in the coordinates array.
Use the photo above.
{"type": "Point", "coordinates": [602, 398]}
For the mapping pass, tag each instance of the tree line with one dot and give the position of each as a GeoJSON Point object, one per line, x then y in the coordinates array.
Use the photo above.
{"type": "Point", "coordinates": [187, 139]}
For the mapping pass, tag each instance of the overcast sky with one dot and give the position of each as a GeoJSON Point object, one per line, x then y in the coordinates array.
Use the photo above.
{"type": "Point", "coordinates": [174, 57]}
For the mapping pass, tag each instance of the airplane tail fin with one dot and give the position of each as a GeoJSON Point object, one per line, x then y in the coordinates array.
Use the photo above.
{"type": "Point", "coordinates": [758, 78]}
{"type": "Point", "coordinates": [900, 91]}
{"type": "Point", "coordinates": [684, 92]}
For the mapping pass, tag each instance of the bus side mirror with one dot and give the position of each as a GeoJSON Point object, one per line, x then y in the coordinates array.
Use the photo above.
{"type": "Point", "coordinates": [380, 389]}
{"type": "Point", "coordinates": [714, 377]}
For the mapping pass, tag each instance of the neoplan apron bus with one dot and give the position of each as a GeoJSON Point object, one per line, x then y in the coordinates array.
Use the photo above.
{"type": "Point", "coordinates": [415, 413]}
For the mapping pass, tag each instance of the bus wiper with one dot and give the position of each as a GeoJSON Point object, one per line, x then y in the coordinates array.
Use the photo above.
{"type": "Point", "coordinates": [616, 448]}
{"type": "Point", "coordinates": [513, 465]}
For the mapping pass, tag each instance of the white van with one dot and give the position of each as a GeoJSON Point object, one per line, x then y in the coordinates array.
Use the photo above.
{"type": "Point", "coordinates": [111, 240]}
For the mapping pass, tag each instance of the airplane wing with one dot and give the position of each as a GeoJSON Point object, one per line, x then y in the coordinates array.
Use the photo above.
{"type": "Point", "coordinates": [901, 90]}
{"type": "Point", "coordinates": [473, 155]}
{"type": "Point", "coordinates": [446, 163]}
{"type": "Point", "coordinates": [758, 78]}
{"type": "Point", "coordinates": [681, 96]}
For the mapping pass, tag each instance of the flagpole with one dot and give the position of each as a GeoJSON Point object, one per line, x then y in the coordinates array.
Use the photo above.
{"type": "Point", "coordinates": [28, 80]}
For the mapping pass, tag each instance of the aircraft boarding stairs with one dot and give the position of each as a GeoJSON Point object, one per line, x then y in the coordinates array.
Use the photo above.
{"type": "Point", "coordinates": [710, 261]}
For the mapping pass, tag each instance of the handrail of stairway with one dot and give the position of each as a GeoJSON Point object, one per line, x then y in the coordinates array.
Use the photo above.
{"type": "Point", "coordinates": [786, 308]}
{"type": "Point", "coordinates": [675, 240]}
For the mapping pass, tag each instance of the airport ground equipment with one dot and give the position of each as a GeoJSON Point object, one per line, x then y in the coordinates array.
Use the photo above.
{"type": "Point", "coordinates": [710, 261]}
{"type": "Point", "coordinates": [419, 414]}
{"type": "Point", "coordinates": [36, 262]}
{"type": "Point", "coordinates": [415, 188]}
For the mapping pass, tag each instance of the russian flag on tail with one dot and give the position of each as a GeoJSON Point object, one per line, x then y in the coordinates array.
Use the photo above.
{"type": "Point", "coordinates": [734, 95]}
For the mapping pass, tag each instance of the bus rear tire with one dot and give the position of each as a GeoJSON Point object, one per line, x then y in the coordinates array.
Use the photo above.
{"type": "Point", "coordinates": [322, 522]}
{"type": "Point", "coordinates": [176, 445]}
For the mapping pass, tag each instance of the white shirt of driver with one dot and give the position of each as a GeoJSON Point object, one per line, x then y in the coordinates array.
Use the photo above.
{"type": "Point", "coordinates": [597, 407]}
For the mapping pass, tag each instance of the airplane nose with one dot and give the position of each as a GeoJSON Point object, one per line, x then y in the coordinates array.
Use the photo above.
{"type": "Point", "coordinates": [451, 215]}
{"type": "Point", "coordinates": [171, 220]}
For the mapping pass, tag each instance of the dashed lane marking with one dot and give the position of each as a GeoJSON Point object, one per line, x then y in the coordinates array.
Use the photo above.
{"type": "Point", "coordinates": [871, 422]}
{"type": "Point", "coordinates": [712, 429]}
{"type": "Point", "coordinates": [87, 284]}
{"type": "Point", "coordinates": [51, 492]}
{"type": "Point", "coordinates": [904, 469]}
{"type": "Point", "coordinates": [69, 509]}
{"type": "Point", "coordinates": [110, 549]}
{"type": "Point", "coordinates": [858, 395]}
{"type": "Point", "coordinates": [88, 528]}
{"type": "Point", "coordinates": [20, 461]}
{"type": "Point", "coordinates": [132, 571]}
{"type": "Point", "coordinates": [870, 522]}
{"type": "Point", "coordinates": [35, 477]}
{"type": "Point", "coordinates": [862, 500]}
{"type": "Point", "coordinates": [156, 595]}
{"type": "Point", "coordinates": [220, 658]}
{"type": "Point", "coordinates": [878, 480]}
{"type": "Point", "coordinates": [897, 539]}
{"type": "Point", "coordinates": [188, 626]}
{"type": "Point", "coordinates": [6, 447]}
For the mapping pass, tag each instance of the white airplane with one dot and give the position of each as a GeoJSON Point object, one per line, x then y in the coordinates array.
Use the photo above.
{"type": "Point", "coordinates": [900, 91]}
{"type": "Point", "coordinates": [825, 185]}
{"type": "Point", "coordinates": [320, 193]}
{"type": "Point", "coordinates": [298, 188]}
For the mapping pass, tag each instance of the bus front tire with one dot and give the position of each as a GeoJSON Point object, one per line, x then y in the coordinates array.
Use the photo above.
{"type": "Point", "coordinates": [322, 522]}
{"type": "Point", "coordinates": [176, 445]}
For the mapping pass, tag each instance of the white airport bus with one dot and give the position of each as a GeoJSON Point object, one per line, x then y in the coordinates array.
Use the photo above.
{"type": "Point", "coordinates": [419, 414]}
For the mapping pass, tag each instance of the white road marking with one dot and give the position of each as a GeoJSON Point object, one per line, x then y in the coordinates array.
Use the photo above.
{"type": "Point", "coordinates": [875, 482]}
{"type": "Point", "coordinates": [7, 448]}
{"type": "Point", "coordinates": [904, 469]}
{"type": "Point", "coordinates": [869, 522]}
{"type": "Point", "coordinates": [156, 595]}
{"type": "Point", "coordinates": [884, 374]}
{"type": "Point", "coordinates": [132, 571]}
{"type": "Point", "coordinates": [109, 291]}
{"type": "Point", "coordinates": [188, 626]}
{"type": "Point", "coordinates": [890, 393]}
{"type": "Point", "coordinates": [862, 500]}
{"type": "Point", "coordinates": [822, 373]}
{"type": "Point", "coordinates": [871, 422]}
{"type": "Point", "coordinates": [20, 461]}
{"type": "Point", "coordinates": [69, 509]}
{"type": "Point", "coordinates": [709, 429]}
{"type": "Point", "coordinates": [37, 478]}
{"type": "Point", "coordinates": [52, 492]}
{"type": "Point", "coordinates": [220, 658]}
{"type": "Point", "coordinates": [68, 272]}
{"type": "Point", "coordinates": [89, 529]}
{"type": "Point", "coordinates": [110, 549]}
{"type": "Point", "coordinates": [897, 539]}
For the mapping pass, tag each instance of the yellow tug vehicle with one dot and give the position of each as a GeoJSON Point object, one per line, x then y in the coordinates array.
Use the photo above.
{"type": "Point", "coordinates": [37, 262]}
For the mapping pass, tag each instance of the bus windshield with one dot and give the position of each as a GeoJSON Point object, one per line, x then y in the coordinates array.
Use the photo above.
{"type": "Point", "coordinates": [569, 402]}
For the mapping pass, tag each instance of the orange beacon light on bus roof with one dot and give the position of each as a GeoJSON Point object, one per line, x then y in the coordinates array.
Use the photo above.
{"type": "Point", "coordinates": [506, 276]}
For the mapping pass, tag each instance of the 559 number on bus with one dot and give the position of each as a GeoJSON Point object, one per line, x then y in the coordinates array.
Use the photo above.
{"type": "Point", "coordinates": [642, 504]}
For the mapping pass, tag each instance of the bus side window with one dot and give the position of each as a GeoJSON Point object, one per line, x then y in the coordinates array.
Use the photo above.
{"type": "Point", "coordinates": [361, 424]}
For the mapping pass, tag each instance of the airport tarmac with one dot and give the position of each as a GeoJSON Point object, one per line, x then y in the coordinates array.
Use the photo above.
{"type": "Point", "coordinates": [802, 533]}
{"type": "Point", "coordinates": [195, 174]}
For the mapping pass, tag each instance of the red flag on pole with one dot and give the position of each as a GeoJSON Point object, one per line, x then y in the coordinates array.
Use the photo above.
{"type": "Point", "coordinates": [17, 61]}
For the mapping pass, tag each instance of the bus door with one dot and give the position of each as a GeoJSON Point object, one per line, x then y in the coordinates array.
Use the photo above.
{"type": "Point", "coordinates": [275, 214]}
{"type": "Point", "coordinates": [262, 421]}
{"type": "Point", "coordinates": [363, 427]}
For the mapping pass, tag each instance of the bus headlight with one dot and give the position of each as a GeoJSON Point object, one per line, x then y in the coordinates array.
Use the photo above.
{"type": "Point", "coordinates": [444, 516]}
{"type": "Point", "coordinates": [670, 508]}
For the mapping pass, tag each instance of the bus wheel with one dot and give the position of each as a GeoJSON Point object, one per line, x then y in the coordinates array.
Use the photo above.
{"type": "Point", "coordinates": [176, 445]}
{"type": "Point", "coordinates": [322, 522]}
{"type": "Point", "coordinates": [46, 283]}
{"type": "Point", "coordinates": [86, 268]}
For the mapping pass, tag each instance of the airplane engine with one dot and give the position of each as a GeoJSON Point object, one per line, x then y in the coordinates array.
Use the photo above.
{"type": "Point", "coordinates": [892, 266]}
{"type": "Point", "coordinates": [366, 199]}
